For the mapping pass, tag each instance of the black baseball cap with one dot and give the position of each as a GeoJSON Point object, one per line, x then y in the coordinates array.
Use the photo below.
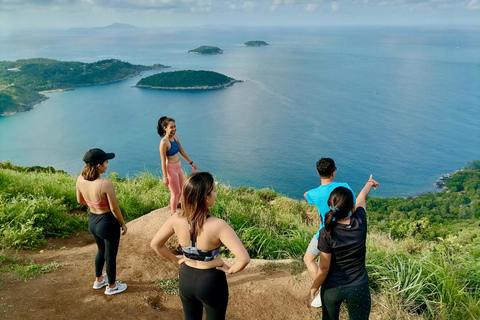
{"type": "Point", "coordinates": [97, 156]}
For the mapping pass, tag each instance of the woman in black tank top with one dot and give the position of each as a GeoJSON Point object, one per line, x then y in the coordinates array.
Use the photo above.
{"type": "Point", "coordinates": [342, 245]}
{"type": "Point", "coordinates": [203, 283]}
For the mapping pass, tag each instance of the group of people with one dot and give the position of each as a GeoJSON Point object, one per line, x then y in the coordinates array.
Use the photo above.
{"type": "Point", "coordinates": [339, 244]}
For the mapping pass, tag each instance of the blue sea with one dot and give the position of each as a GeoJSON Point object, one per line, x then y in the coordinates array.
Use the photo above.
{"type": "Point", "coordinates": [402, 104]}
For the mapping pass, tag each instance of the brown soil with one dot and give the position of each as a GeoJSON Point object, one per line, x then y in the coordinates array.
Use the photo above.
{"type": "Point", "coordinates": [261, 291]}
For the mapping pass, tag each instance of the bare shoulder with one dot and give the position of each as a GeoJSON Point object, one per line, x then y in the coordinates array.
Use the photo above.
{"type": "Point", "coordinates": [178, 219]}
{"type": "Point", "coordinates": [107, 184]}
{"type": "Point", "coordinates": [216, 223]}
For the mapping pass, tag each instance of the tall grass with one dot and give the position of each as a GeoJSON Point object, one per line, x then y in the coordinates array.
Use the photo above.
{"type": "Point", "coordinates": [35, 205]}
{"type": "Point", "coordinates": [431, 283]}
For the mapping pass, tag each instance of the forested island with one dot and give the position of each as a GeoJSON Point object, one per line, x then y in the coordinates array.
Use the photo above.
{"type": "Point", "coordinates": [206, 50]}
{"type": "Point", "coordinates": [23, 81]}
{"type": "Point", "coordinates": [256, 43]}
{"type": "Point", "coordinates": [187, 80]}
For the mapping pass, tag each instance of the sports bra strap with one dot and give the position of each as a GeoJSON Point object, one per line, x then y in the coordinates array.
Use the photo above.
{"type": "Point", "coordinates": [193, 240]}
{"type": "Point", "coordinates": [100, 189]}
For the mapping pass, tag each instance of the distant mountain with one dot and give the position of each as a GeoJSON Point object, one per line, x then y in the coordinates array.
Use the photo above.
{"type": "Point", "coordinates": [117, 25]}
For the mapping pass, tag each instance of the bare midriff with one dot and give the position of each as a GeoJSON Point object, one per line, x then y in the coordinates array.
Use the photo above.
{"type": "Point", "coordinates": [217, 262]}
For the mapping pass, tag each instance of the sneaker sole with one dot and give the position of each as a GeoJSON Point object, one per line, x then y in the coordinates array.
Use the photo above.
{"type": "Point", "coordinates": [109, 293]}
{"type": "Point", "coordinates": [101, 286]}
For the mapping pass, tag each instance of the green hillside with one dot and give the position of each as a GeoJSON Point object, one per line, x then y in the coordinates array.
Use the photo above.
{"type": "Point", "coordinates": [41, 74]}
{"type": "Point", "coordinates": [423, 253]}
{"type": "Point", "coordinates": [16, 98]}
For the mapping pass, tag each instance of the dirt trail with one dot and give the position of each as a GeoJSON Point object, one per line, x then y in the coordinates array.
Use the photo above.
{"type": "Point", "coordinates": [67, 292]}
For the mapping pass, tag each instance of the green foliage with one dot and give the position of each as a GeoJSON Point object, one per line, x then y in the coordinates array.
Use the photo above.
{"type": "Point", "coordinates": [16, 98]}
{"type": "Point", "coordinates": [37, 202]}
{"type": "Point", "coordinates": [25, 269]}
{"type": "Point", "coordinates": [257, 43]}
{"type": "Point", "coordinates": [438, 283]}
{"type": "Point", "coordinates": [206, 50]}
{"type": "Point", "coordinates": [428, 261]}
{"type": "Point", "coordinates": [185, 79]}
{"type": "Point", "coordinates": [32, 75]}
{"type": "Point", "coordinates": [430, 215]}
{"type": "Point", "coordinates": [269, 228]}
{"type": "Point", "coordinates": [169, 286]}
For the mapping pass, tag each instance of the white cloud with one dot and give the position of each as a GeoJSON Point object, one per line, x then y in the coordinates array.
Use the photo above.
{"type": "Point", "coordinates": [249, 5]}
{"type": "Point", "coordinates": [311, 7]}
{"type": "Point", "coordinates": [474, 5]}
{"type": "Point", "coordinates": [335, 6]}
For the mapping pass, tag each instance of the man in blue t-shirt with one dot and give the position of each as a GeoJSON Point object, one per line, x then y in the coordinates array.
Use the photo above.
{"type": "Point", "coordinates": [319, 196]}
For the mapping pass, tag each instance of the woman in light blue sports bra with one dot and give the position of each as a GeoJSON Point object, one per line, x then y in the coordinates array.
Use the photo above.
{"type": "Point", "coordinates": [203, 283]}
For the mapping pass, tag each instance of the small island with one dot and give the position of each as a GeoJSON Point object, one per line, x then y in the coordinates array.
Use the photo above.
{"type": "Point", "coordinates": [206, 50]}
{"type": "Point", "coordinates": [23, 82]}
{"type": "Point", "coordinates": [256, 43]}
{"type": "Point", "coordinates": [187, 80]}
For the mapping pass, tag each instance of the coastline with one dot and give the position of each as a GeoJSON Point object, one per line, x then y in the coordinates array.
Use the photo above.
{"type": "Point", "coordinates": [55, 90]}
{"type": "Point", "coordinates": [207, 54]}
{"type": "Point", "coordinates": [229, 84]}
{"type": "Point", "coordinates": [28, 107]}
{"type": "Point", "coordinates": [32, 104]}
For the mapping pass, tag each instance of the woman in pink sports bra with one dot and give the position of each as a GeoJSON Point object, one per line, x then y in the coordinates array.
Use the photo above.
{"type": "Point", "coordinates": [170, 148]}
{"type": "Point", "coordinates": [105, 221]}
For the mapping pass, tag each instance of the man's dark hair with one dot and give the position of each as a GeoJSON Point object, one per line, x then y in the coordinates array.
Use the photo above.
{"type": "Point", "coordinates": [326, 167]}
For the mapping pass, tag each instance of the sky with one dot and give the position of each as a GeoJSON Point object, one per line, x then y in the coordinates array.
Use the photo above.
{"type": "Point", "coordinates": [28, 14]}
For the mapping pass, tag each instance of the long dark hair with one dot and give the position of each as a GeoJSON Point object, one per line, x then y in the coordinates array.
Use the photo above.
{"type": "Point", "coordinates": [340, 203]}
{"type": "Point", "coordinates": [162, 123]}
{"type": "Point", "coordinates": [196, 188]}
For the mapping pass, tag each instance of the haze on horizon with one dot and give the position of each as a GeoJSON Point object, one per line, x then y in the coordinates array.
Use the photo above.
{"type": "Point", "coordinates": [29, 14]}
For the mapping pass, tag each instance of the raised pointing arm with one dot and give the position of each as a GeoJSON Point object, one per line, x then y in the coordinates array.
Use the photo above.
{"type": "Point", "coordinates": [362, 196]}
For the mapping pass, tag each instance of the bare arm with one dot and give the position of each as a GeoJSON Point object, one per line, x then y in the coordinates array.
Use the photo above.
{"type": "Point", "coordinates": [185, 156]}
{"type": "Point", "coordinates": [80, 198]}
{"type": "Point", "coordinates": [324, 267]}
{"type": "Point", "coordinates": [163, 157]}
{"type": "Point", "coordinates": [362, 196]}
{"type": "Point", "coordinates": [159, 240]}
{"type": "Point", "coordinates": [230, 239]}
{"type": "Point", "coordinates": [112, 200]}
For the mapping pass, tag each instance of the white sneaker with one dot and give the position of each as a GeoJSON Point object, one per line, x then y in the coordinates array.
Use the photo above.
{"type": "Point", "coordinates": [100, 285]}
{"type": "Point", "coordinates": [120, 287]}
{"type": "Point", "coordinates": [317, 301]}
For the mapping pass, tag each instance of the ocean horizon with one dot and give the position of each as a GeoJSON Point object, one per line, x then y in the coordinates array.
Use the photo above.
{"type": "Point", "coordinates": [401, 103]}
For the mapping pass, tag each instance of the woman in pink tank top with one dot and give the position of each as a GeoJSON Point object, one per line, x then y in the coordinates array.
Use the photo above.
{"type": "Point", "coordinates": [105, 221]}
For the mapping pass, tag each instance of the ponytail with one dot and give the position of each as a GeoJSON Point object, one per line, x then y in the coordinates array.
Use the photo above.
{"type": "Point", "coordinates": [90, 172]}
{"type": "Point", "coordinates": [340, 203]}
{"type": "Point", "coordinates": [162, 123]}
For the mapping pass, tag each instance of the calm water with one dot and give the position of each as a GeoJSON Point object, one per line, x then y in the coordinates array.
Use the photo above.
{"type": "Point", "coordinates": [403, 104]}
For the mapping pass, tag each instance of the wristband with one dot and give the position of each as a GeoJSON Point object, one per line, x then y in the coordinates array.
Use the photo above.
{"type": "Point", "coordinates": [191, 163]}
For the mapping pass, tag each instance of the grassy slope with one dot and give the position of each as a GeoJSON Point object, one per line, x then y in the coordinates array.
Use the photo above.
{"type": "Point", "coordinates": [437, 277]}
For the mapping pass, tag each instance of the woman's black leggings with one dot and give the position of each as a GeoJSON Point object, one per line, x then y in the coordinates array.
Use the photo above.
{"type": "Point", "coordinates": [105, 229]}
{"type": "Point", "coordinates": [201, 288]}
{"type": "Point", "coordinates": [357, 298]}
